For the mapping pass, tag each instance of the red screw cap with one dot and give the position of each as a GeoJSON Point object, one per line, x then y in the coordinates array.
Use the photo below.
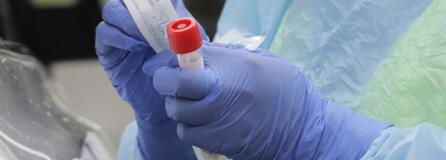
{"type": "Point", "coordinates": [184, 35]}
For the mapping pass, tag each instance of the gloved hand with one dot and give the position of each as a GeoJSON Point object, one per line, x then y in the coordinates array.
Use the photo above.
{"type": "Point", "coordinates": [249, 105]}
{"type": "Point", "coordinates": [122, 51]}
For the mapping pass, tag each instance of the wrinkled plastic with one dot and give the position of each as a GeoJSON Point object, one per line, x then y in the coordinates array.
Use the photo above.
{"type": "Point", "coordinates": [384, 58]}
{"type": "Point", "coordinates": [422, 142]}
{"type": "Point", "coordinates": [339, 44]}
{"type": "Point", "coordinates": [409, 87]}
{"type": "Point", "coordinates": [251, 23]}
{"type": "Point", "coordinates": [34, 123]}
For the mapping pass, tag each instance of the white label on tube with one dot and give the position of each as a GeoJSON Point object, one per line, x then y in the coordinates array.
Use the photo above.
{"type": "Point", "coordinates": [152, 17]}
{"type": "Point", "coordinates": [191, 61]}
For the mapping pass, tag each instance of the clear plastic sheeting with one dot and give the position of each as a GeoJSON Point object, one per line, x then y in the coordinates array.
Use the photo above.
{"type": "Point", "coordinates": [5, 152]}
{"type": "Point", "coordinates": [251, 23]}
{"type": "Point", "coordinates": [384, 58]}
{"type": "Point", "coordinates": [33, 123]}
{"type": "Point", "coordinates": [409, 87]}
{"type": "Point", "coordinates": [340, 43]}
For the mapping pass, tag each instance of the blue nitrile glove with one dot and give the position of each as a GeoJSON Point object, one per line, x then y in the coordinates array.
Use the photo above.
{"type": "Point", "coordinates": [253, 105]}
{"type": "Point", "coordinates": [122, 51]}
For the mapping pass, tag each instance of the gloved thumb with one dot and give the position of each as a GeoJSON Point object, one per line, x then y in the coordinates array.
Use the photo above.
{"type": "Point", "coordinates": [186, 84]}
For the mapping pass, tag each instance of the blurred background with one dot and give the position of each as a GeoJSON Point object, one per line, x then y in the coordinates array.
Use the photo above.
{"type": "Point", "coordinates": [60, 33]}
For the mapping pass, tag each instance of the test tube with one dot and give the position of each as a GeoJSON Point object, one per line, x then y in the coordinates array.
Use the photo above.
{"type": "Point", "coordinates": [185, 41]}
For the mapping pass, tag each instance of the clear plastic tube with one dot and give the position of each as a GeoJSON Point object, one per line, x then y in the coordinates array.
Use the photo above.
{"type": "Point", "coordinates": [194, 61]}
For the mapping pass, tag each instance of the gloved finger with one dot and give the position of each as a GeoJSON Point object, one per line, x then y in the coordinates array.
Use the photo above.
{"type": "Point", "coordinates": [107, 35]}
{"type": "Point", "coordinates": [129, 66]}
{"type": "Point", "coordinates": [116, 14]}
{"type": "Point", "coordinates": [194, 112]}
{"type": "Point", "coordinates": [188, 84]}
{"type": "Point", "coordinates": [120, 55]}
{"type": "Point", "coordinates": [206, 137]}
{"type": "Point", "coordinates": [108, 38]}
{"type": "Point", "coordinates": [163, 59]}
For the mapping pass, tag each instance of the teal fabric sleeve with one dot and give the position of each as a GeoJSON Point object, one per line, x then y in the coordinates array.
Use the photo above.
{"type": "Point", "coordinates": [425, 141]}
{"type": "Point", "coordinates": [128, 149]}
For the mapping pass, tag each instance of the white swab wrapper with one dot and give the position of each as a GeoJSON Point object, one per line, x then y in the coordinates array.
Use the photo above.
{"type": "Point", "coordinates": [152, 17]}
